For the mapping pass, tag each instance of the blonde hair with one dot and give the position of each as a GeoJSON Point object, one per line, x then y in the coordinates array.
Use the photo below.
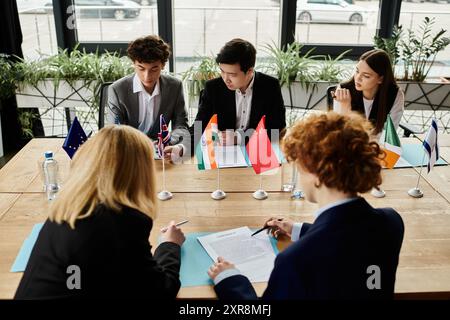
{"type": "Point", "coordinates": [114, 168]}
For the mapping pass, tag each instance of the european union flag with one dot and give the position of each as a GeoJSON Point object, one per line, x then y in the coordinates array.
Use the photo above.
{"type": "Point", "coordinates": [75, 138]}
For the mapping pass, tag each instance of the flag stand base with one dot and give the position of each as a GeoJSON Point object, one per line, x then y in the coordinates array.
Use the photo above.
{"type": "Point", "coordinates": [415, 193]}
{"type": "Point", "coordinates": [378, 193]}
{"type": "Point", "coordinates": [165, 195]}
{"type": "Point", "coordinates": [260, 194]}
{"type": "Point", "coordinates": [218, 194]}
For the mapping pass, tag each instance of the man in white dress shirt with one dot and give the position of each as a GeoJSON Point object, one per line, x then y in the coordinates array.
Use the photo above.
{"type": "Point", "coordinates": [139, 99]}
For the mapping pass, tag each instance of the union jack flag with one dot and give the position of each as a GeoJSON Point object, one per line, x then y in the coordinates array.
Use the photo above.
{"type": "Point", "coordinates": [163, 136]}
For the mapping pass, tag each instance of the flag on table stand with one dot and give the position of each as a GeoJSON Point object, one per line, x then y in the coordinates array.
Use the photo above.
{"type": "Point", "coordinates": [261, 155]}
{"type": "Point", "coordinates": [392, 145]}
{"type": "Point", "coordinates": [163, 141]}
{"type": "Point", "coordinates": [75, 138]}
{"type": "Point", "coordinates": [206, 155]}
{"type": "Point", "coordinates": [431, 145]}
{"type": "Point", "coordinates": [163, 136]}
{"type": "Point", "coordinates": [204, 150]}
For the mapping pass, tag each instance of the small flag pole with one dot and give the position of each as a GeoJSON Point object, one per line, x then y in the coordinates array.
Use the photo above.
{"type": "Point", "coordinates": [416, 192]}
{"type": "Point", "coordinates": [164, 194]}
{"type": "Point", "coordinates": [260, 194]}
{"type": "Point", "coordinates": [219, 194]}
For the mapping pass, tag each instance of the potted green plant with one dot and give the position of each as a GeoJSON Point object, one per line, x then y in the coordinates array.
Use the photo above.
{"type": "Point", "coordinates": [412, 55]}
{"type": "Point", "coordinates": [67, 83]}
{"type": "Point", "coordinates": [303, 77]}
{"type": "Point", "coordinates": [196, 76]}
{"type": "Point", "coordinates": [8, 78]}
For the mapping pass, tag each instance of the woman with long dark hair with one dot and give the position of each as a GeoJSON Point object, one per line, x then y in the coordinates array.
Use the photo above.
{"type": "Point", "coordinates": [372, 91]}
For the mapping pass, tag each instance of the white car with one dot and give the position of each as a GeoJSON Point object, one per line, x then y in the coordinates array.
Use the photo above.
{"type": "Point", "coordinates": [334, 11]}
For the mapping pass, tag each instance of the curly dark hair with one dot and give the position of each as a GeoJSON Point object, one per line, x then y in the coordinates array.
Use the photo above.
{"type": "Point", "coordinates": [148, 49]}
{"type": "Point", "coordinates": [338, 150]}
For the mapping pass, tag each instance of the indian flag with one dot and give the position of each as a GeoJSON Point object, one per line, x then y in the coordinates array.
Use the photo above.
{"type": "Point", "coordinates": [392, 145]}
{"type": "Point", "coordinates": [204, 150]}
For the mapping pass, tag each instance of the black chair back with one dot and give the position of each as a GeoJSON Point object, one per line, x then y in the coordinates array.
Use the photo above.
{"type": "Point", "coordinates": [330, 97]}
{"type": "Point", "coordinates": [103, 103]}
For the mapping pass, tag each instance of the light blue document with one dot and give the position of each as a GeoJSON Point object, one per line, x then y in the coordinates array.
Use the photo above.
{"type": "Point", "coordinates": [413, 154]}
{"type": "Point", "coordinates": [195, 261]}
{"type": "Point", "coordinates": [21, 261]}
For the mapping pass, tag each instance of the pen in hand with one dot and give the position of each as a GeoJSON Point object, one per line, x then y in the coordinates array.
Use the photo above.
{"type": "Point", "coordinates": [176, 225]}
{"type": "Point", "coordinates": [264, 228]}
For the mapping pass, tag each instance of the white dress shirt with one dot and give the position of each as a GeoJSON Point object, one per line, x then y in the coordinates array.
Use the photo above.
{"type": "Point", "coordinates": [243, 106]}
{"type": "Point", "coordinates": [148, 104]}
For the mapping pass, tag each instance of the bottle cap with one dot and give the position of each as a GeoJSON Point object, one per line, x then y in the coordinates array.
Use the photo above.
{"type": "Point", "coordinates": [48, 154]}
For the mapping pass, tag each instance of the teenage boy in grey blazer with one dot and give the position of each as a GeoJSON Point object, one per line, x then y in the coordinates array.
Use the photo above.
{"type": "Point", "coordinates": [139, 99]}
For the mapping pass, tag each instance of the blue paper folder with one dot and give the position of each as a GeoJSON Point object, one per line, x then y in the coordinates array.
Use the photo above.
{"type": "Point", "coordinates": [195, 262]}
{"type": "Point", "coordinates": [21, 261]}
{"type": "Point", "coordinates": [413, 153]}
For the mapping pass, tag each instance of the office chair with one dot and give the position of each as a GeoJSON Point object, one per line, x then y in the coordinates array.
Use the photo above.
{"type": "Point", "coordinates": [102, 105]}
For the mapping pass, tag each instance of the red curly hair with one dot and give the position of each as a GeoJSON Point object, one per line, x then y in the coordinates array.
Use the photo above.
{"type": "Point", "coordinates": [338, 150]}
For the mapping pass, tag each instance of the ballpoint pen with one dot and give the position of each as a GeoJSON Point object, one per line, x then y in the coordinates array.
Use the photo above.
{"type": "Point", "coordinates": [176, 225]}
{"type": "Point", "coordinates": [264, 228]}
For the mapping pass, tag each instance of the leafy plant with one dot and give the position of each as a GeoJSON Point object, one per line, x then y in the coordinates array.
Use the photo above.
{"type": "Point", "coordinates": [416, 51]}
{"type": "Point", "coordinates": [331, 70]}
{"type": "Point", "coordinates": [196, 76]}
{"type": "Point", "coordinates": [419, 51]}
{"type": "Point", "coordinates": [289, 64]}
{"type": "Point", "coordinates": [26, 119]}
{"type": "Point", "coordinates": [8, 77]}
{"type": "Point", "coordinates": [391, 45]}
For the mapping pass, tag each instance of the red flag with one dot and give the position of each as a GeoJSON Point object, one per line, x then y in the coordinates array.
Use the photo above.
{"type": "Point", "coordinates": [260, 151]}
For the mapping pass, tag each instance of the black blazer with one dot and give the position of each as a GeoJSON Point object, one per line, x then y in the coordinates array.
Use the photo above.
{"type": "Point", "coordinates": [113, 253]}
{"type": "Point", "coordinates": [331, 258]}
{"type": "Point", "coordinates": [216, 98]}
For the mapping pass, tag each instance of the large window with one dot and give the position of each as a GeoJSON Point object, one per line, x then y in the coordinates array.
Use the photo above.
{"type": "Point", "coordinates": [342, 22]}
{"type": "Point", "coordinates": [115, 20]}
{"type": "Point", "coordinates": [38, 28]}
{"type": "Point", "coordinates": [203, 26]}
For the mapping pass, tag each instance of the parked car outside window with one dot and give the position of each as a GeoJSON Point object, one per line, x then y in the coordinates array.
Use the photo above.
{"type": "Point", "coordinates": [334, 11]}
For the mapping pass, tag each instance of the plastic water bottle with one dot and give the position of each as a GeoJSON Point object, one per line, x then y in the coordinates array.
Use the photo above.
{"type": "Point", "coordinates": [50, 168]}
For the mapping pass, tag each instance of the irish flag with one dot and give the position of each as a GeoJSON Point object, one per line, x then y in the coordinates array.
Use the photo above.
{"type": "Point", "coordinates": [392, 145]}
{"type": "Point", "coordinates": [204, 150]}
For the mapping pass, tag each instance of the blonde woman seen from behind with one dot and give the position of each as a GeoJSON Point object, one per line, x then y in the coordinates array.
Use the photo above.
{"type": "Point", "coordinates": [98, 228]}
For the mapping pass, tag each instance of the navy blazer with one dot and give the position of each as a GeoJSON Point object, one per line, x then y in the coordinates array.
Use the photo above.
{"type": "Point", "coordinates": [267, 100]}
{"type": "Point", "coordinates": [331, 258]}
{"type": "Point", "coordinates": [113, 253]}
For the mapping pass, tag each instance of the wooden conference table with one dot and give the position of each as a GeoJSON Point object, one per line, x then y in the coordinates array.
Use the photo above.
{"type": "Point", "coordinates": [424, 267]}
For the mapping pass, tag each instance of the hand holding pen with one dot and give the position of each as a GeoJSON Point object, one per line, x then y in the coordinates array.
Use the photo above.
{"type": "Point", "coordinates": [172, 233]}
{"type": "Point", "coordinates": [278, 227]}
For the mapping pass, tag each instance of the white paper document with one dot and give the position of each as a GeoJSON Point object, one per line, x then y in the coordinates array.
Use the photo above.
{"type": "Point", "coordinates": [253, 256]}
{"type": "Point", "coordinates": [230, 157]}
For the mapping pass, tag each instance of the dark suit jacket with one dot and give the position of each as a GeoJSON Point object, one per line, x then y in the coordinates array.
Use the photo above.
{"type": "Point", "coordinates": [123, 105]}
{"type": "Point", "coordinates": [113, 253]}
{"type": "Point", "coordinates": [217, 99]}
{"type": "Point", "coordinates": [331, 258]}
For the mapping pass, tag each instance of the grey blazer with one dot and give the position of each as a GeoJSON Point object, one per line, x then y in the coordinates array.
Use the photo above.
{"type": "Point", "coordinates": [123, 105]}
